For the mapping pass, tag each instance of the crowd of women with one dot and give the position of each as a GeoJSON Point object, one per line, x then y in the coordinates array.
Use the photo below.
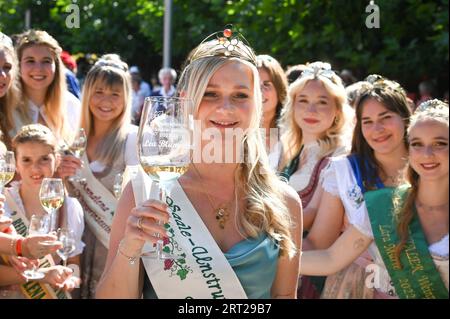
{"type": "Point", "coordinates": [344, 196]}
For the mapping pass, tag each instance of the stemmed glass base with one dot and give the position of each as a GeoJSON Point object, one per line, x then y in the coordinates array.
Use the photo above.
{"type": "Point", "coordinates": [33, 274]}
{"type": "Point", "coordinates": [158, 253]}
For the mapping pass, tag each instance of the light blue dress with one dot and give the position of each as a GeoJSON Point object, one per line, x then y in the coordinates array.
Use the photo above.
{"type": "Point", "coordinates": [253, 260]}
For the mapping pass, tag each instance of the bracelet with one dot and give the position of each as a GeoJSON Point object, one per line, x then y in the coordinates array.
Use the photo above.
{"type": "Point", "coordinates": [131, 260]}
{"type": "Point", "coordinates": [13, 246]}
{"type": "Point", "coordinates": [19, 247]}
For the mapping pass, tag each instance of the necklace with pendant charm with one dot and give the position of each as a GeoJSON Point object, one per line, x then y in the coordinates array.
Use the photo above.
{"type": "Point", "coordinates": [221, 213]}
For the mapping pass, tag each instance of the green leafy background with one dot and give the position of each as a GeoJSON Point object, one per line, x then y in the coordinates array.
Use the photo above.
{"type": "Point", "coordinates": [411, 44]}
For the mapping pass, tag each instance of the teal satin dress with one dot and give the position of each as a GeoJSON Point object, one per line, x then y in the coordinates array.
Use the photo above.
{"type": "Point", "coordinates": [253, 260]}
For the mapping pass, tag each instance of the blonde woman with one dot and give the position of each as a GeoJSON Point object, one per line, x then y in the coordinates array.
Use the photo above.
{"type": "Point", "coordinates": [45, 98]}
{"type": "Point", "coordinates": [405, 228]}
{"type": "Point", "coordinates": [255, 244]}
{"type": "Point", "coordinates": [316, 121]}
{"type": "Point", "coordinates": [111, 146]}
{"type": "Point", "coordinates": [9, 91]}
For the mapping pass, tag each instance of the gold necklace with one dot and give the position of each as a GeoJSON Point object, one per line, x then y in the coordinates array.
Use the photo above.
{"type": "Point", "coordinates": [221, 213]}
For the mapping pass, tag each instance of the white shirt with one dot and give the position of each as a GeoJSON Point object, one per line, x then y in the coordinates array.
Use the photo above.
{"type": "Point", "coordinates": [75, 216]}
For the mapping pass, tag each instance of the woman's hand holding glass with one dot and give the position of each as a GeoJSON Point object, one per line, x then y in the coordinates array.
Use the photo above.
{"type": "Point", "coordinates": [69, 166]}
{"type": "Point", "coordinates": [77, 149]}
{"type": "Point", "coordinates": [58, 276]}
{"type": "Point", "coordinates": [145, 223]}
{"type": "Point", "coordinates": [39, 225]}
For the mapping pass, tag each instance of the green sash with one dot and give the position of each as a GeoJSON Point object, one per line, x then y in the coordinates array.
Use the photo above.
{"type": "Point", "coordinates": [419, 278]}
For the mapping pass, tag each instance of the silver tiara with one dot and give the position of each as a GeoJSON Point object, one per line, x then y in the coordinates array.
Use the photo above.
{"type": "Point", "coordinates": [432, 106]}
{"type": "Point", "coordinates": [317, 69]}
{"type": "Point", "coordinates": [104, 62]}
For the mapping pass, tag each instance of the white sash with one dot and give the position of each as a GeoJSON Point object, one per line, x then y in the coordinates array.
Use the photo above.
{"type": "Point", "coordinates": [98, 204]}
{"type": "Point", "coordinates": [202, 272]}
{"type": "Point", "coordinates": [33, 289]}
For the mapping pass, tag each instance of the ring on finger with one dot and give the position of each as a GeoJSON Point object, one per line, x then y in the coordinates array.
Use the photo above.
{"type": "Point", "coordinates": [139, 223]}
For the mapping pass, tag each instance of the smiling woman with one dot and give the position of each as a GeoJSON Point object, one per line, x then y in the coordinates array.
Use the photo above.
{"type": "Point", "coordinates": [240, 230]}
{"type": "Point", "coordinates": [111, 145]}
{"type": "Point", "coordinates": [43, 85]}
{"type": "Point", "coordinates": [9, 92]}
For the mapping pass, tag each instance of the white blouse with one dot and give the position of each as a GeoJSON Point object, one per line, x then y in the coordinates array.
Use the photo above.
{"type": "Point", "coordinates": [75, 216]}
{"type": "Point", "coordinates": [352, 198]}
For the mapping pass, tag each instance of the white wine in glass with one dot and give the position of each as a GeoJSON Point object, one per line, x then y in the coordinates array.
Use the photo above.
{"type": "Point", "coordinates": [7, 168]}
{"type": "Point", "coordinates": [51, 195]}
{"type": "Point", "coordinates": [164, 145]}
{"type": "Point", "coordinates": [77, 148]}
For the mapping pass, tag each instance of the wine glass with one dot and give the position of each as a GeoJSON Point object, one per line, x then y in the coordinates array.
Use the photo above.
{"type": "Point", "coordinates": [67, 239]}
{"type": "Point", "coordinates": [39, 225]}
{"type": "Point", "coordinates": [51, 196]}
{"type": "Point", "coordinates": [7, 168]}
{"type": "Point", "coordinates": [117, 187]}
{"type": "Point", "coordinates": [164, 146]}
{"type": "Point", "coordinates": [77, 148]}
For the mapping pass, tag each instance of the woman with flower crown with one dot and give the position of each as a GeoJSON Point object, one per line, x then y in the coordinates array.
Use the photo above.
{"type": "Point", "coordinates": [111, 146]}
{"type": "Point", "coordinates": [404, 227]}
{"type": "Point", "coordinates": [377, 160]}
{"type": "Point", "coordinates": [256, 246]}
{"type": "Point", "coordinates": [314, 119]}
{"type": "Point", "coordinates": [45, 98]}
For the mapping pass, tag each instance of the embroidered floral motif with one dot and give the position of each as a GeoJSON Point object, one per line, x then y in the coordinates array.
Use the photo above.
{"type": "Point", "coordinates": [177, 266]}
{"type": "Point", "coordinates": [355, 195]}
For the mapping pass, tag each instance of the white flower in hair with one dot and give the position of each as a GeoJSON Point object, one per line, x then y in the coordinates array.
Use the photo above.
{"type": "Point", "coordinates": [317, 69]}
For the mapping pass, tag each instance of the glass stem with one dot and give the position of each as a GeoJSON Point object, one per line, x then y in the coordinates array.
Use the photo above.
{"type": "Point", "coordinates": [162, 197]}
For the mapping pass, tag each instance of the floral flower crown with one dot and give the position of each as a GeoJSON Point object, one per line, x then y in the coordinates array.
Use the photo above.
{"type": "Point", "coordinates": [4, 39]}
{"type": "Point", "coordinates": [432, 108]}
{"type": "Point", "coordinates": [381, 82]}
{"type": "Point", "coordinates": [227, 43]}
{"type": "Point", "coordinates": [32, 37]}
{"type": "Point", "coordinates": [317, 69]}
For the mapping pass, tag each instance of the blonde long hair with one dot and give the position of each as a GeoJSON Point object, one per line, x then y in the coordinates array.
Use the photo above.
{"type": "Point", "coordinates": [109, 71]}
{"type": "Point", "coordinates": [9, 101]}
{"type": "Point", "coordinates": [266, 210]}
{"type": "Point", "coordinates": [334, 136]}
{"type": "Point", "coordinates": [435, 110]}
{"type": "Point", "coordinates": [54, 101]}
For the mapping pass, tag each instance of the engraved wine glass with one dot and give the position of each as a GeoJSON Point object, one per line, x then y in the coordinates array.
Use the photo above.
{"type": "Point", "coordinates": [39, 225]}
{"type": "Point", "coordinates": [164, 146]}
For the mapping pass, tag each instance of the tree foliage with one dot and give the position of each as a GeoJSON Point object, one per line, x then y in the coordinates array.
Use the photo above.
{"type": "Point", "coordinates": [410, 45]}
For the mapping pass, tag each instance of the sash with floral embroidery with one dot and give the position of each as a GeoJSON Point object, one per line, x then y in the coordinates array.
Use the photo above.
{"type": "Point", "coordinates": [201, 271]}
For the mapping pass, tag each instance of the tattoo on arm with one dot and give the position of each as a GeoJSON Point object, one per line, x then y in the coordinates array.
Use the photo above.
{"type": "Point", "coordinates": [358, 243]}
